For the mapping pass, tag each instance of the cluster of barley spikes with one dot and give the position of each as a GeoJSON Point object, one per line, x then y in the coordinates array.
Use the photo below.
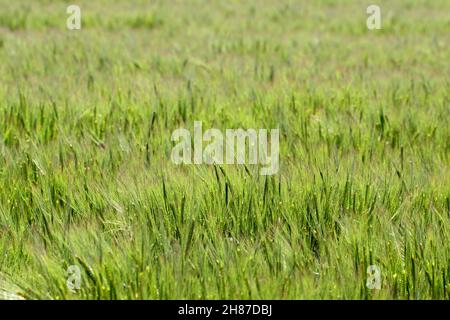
{"type": "Point", "coordinates": [86, 180]}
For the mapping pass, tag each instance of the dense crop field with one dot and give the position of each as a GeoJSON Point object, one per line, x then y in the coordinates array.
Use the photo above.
{"type": "Point", "coordinates": [86, 177]}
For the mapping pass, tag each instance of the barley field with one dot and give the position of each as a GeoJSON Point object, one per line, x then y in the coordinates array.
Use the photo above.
{"type": "Point", "coordinates": [87, 181]}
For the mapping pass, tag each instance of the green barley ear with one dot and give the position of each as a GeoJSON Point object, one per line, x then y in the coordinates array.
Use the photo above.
{"type": "Point", "coordinates": [9, 291]}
